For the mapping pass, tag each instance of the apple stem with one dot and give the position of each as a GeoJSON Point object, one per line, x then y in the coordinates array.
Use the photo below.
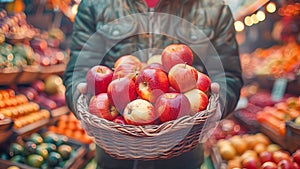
{"type": "Point", "coordinates": [99, 70]}
{"type": "Point", "coordinates": [185, 64]}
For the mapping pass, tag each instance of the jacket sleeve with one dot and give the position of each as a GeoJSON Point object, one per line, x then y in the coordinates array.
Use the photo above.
{"type": "Point", "coordinates": [227, 48]}
{"type": "Point", "coordinates": [84, 27]}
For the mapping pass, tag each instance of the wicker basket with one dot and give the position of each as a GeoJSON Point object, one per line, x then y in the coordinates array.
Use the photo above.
{"type": "Point", "coordinates": [149, 142]}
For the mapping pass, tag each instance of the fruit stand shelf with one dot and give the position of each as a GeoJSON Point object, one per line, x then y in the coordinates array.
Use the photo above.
{"type": "Point", "coordinates": [32, 127]}
{"type": "Point", "coordinates": [59, 111]}
{"type": "Point", "coordinates": [29, 74]}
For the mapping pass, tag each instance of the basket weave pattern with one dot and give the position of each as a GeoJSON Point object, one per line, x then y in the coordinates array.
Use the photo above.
{"type": "Point", "coordinates": [148, 142]}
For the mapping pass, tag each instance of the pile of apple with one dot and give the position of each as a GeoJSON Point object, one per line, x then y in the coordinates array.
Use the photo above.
{"type": "Point", "coordinates": [164, 88]}
{"type": "Point", "coordinates": [256, 151]}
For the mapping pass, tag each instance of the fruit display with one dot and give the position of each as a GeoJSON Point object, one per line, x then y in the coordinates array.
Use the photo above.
{"type": "Point", "coordinates": [227, 128]}
{"type": "Point", "coordinates": [46, 150]}
{"type": "Point", "coordinates": [15, 27]}
{"type": "Point", "coordinates": [17, 56]}
{"type": "Point", "coordinates": [27, 53]}
{"type": "Point", "coordinates": [70, 126]}
{"type": "Point", "coordinates": [27, 45]}
{"type": "Point", "coordinates": [48, 93]}
{"type": "Point", "coordinates": [247, 116]}
{"type": "Point", "coordinates": [20, 109]}
{"type": "Point", "coordinates": [255, 151]}
{"type": "Point", "coordinates": [164, 90]}
{"type": "Point", "coordinates": [275, 117]}
{"type": "Point", "coordinates": [276, 61]}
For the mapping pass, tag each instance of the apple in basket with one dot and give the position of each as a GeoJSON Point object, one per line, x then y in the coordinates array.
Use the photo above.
{"type": "Point", "coordinates": [98, 79]}
{"type": "Point", "coordinates": [128, 59]}
{"type": "Point", "coordinates": [120, 92]}
{"type": "Point", "coordinates": [171, 106]}
{"type": "Point", "coordinates": [154, 59]}
{"type": "Point", "coordinates": [139, 112]}
{"type": "Point", "coordinates": [101, 107]}
{"type": "Point", "coordinates": [157, 66]}
{"type": "Point", "coordinates": [151, 83]}
{"type": "Point", "coordinates": [203, 82]}
{"type": "Point", "coordinates": [128, 70]}
{"type": "Point", "coordinates": [183, 77]}
{"type": "Point", "coordinates": [175, 54]}
{"type": "Point", "coordinates": [198, 100]}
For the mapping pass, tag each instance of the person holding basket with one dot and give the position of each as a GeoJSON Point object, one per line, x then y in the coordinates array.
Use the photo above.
{"type": "Point", "coordinates": [106, 30]}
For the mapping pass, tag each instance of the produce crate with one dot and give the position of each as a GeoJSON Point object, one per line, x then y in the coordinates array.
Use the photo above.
{"type": "Point", "coordinates": [289, 142]}
{"type": "Point", "coordinates": [76, 159]}
{"type": "Point", "coordinates": [9, 75]}
{"type": "Point", "coordinates": [5, 129]}
{"type": "Point", "coordinates": [293, 129]}
{"type": "Point", "coordinates": [247, 116]}
{"type": "Point", "coordinates": [50, 70]}
{"type": "Point", "coordinates": [28, 74]}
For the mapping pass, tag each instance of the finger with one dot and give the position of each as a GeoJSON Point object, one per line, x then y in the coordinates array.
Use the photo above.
{"type": "Point", "coordinates": [82, 88]}
{"type": "Point", "coordinates": [215, 87]}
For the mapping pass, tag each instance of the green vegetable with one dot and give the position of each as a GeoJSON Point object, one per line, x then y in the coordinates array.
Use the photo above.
{"type": "Point", "coordinates": [35, 160]}
{"type": "Point", "coordinates": [15, 149]}
{"type": "Point", "coordinates": [54, 159]}
{"type": "Point", "coordinates": [65, 151]}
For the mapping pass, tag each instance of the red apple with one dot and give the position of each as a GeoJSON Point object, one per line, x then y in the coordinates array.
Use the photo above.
{"type": "Point", "coordinates": [250, 163]}
{"type": "Point", "coordinates": [266, 156]}
{"type": "Point", "coordinates": [269, 165]}
{"type": "Point", "coordinates": [128, 59]}
{"type": "Point", "coordinates": [120, 92]}
{"type": "Point", "coordinates": [98, 78]}
{"type": "Point", "coordinates": [183, 77]}
{"type": "Point", "coordinates": [119, 119]}
{"type": "Point", "coordinates": [171, 106]}
{"type": "Point", "coordinates": [203, 82]}
{"type": "Point", "coordinates": [280, 155]}
{"type": "Point", "coordinates": [156, 66]}
{"type": "Point", "coordinates": [101, 107]}
{"type": "Point", "coordinates": [154, 59]}
{"type": "Point", "coordinates": [296, 156]}
{"type": "Point", "coordinates": [175, 54]}
{"type": "Point", "coordinates": [139, 112]}
{"type": "Point", "coordinates": [285, 164]}
{"type": "Point", "coordinates": [198, 100]}
{"type": "Point", "coordinates": [151, 83]}
{"type": "Point", "coordinates": [128, 70]}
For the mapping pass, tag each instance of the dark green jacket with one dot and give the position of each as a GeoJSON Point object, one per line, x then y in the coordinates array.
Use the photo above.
{"type": "Point", "coordinates": [107, 29]}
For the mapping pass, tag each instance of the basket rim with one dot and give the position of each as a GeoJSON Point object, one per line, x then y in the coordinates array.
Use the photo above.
{"type": "Point", "coordinates": [145, 130]}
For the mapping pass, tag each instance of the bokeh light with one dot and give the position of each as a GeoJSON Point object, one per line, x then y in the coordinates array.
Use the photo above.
{"type": "Point", "coordinates": [254, 19]}
{"type": "Point", "coordinates": [239, 26]}
{"type": "Point", "coordinates": [248, 21]}
{"type": "Point", "coordinates": [271, 7]}
{"type": "Point", "coordinates": [261, 16]}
